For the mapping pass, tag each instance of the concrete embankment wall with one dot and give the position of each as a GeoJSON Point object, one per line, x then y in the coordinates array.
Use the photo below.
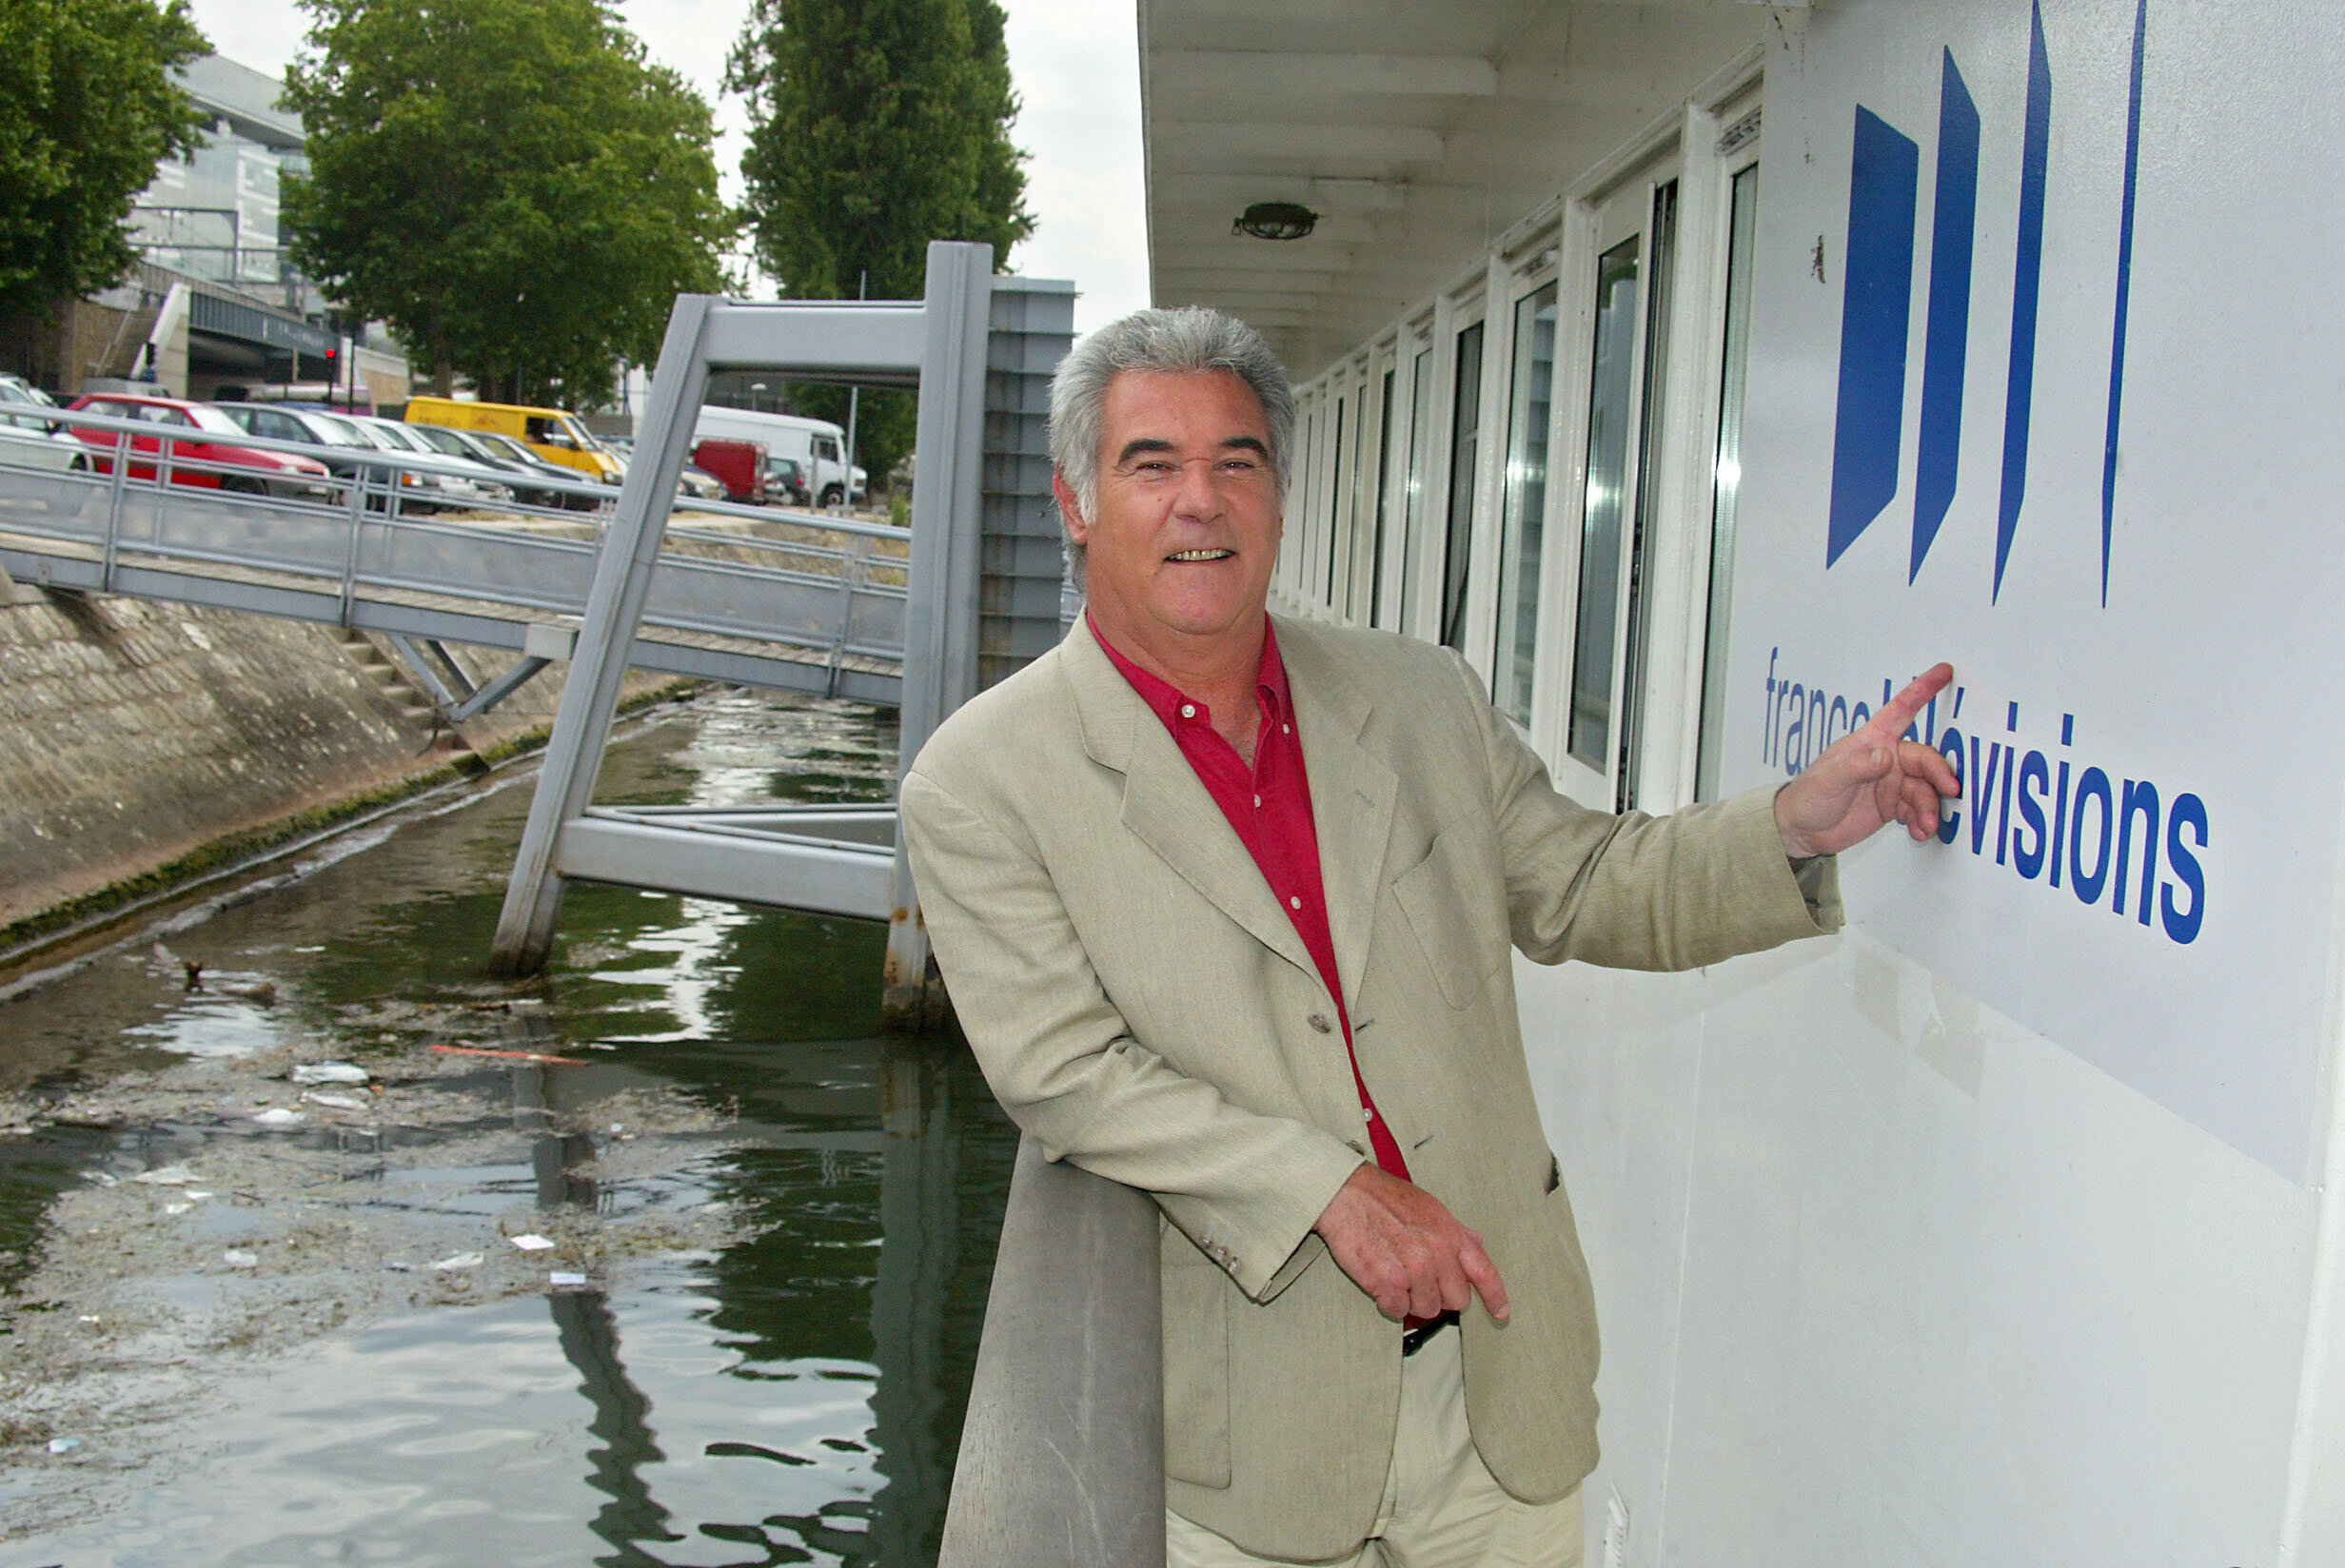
{"type": "Point", "coordinates": [142, 741]}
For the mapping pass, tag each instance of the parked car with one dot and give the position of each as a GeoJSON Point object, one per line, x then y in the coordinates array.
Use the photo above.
{"type": "Point", "coordinates": [468, 446]}
{"type": "Point", "coordinates": [476, 485]}
{"type": "Point", "coordinates": [343, 450]}
{"type": "Point", "coordinates": [698, 484]}
{"type": "Point", "coordinates": [418, 491]}
{"type": "Point", "coordinates": [28, 440]}
{"type": "Point", "coordinates": [193, 430]}
{"type": "Point", "coordinates": [555, 436]}
{"type": "Point", "coordinates": [740, 464]}
{"type": "Point", "coordinates": [785, 483]}
{"type": "Point", "coordinates": [525, 461]}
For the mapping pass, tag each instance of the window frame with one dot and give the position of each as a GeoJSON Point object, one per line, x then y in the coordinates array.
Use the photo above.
{"type": "Point", "coordinates": [1518, 273]}
{"type": "Point", "coordinates": [1418, 341]}
{"type": "Point", "coordinates": [1684, 478]}
{"type": "Point", "coordinates": [1461, 309]}
{"type": "Point", "coordinates": [1609, 211]}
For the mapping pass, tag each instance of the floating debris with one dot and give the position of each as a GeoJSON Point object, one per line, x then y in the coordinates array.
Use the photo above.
{"type": "Point", "coordinates": [339, 1102]}
{"type": "Point", "coordinates": [533, 1244]}
{"type": "Point", "coordinates": [238, 1258]}
{"type": "Point", "coordinates": [562, 1277]}
{"type": "Point", "coordinates": [64, 1445]}
{"type": "Point", "coordinates": [174, 1175]}
{"type": "Point", "coordinates": [265, 993]}
{"type": "Point", "coordinates": [329, 1072]}
{"type": "Point", "coordinates": [279, 1117]}
{"type": "Point", "coordinates": [462, 1260]}
{"type": "Point", "coordinates": [510, 1056]}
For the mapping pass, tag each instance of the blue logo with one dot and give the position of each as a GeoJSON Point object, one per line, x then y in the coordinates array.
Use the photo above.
{"type": "Point", "coordinates": [1877, 301]}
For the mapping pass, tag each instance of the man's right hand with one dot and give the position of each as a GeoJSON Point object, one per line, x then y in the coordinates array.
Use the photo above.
{"type": "Point", "coordinates": [1398, 1244]}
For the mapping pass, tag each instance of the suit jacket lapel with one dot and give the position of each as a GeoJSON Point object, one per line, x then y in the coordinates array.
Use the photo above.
{"type": "Point", "coordinates": [1353, 793]}
{"type": "Point", "coordinates": [1166, 805]}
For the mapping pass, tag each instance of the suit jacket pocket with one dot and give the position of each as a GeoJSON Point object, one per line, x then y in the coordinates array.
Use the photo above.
{"type": "Point", "coordinates": [1455, 900]}
{"type": "Point", "coordinates": [1196, 1365]}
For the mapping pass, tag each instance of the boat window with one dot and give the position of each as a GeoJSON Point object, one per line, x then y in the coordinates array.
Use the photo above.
{"type": "Point", "coordinates": [1529, 402]}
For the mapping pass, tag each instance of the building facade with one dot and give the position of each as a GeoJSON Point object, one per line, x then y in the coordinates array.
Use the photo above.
{"type": "Point", "coordinates": [245, 321]}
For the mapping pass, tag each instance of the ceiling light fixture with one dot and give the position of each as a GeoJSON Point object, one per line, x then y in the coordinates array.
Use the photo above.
{"type": "Point", "coordinates": [1276, 221]}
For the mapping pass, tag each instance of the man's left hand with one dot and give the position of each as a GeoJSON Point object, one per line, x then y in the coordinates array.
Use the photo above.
{"type": "Point", "coordinates": [1869, 777]}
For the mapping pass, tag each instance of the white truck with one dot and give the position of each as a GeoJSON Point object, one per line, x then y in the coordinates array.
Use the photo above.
{"type": "Point", "coordinates": [817, 445]}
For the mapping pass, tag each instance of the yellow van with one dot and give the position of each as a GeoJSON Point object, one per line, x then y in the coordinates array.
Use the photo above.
{"type": "Point", "coordinates": [550, 433]}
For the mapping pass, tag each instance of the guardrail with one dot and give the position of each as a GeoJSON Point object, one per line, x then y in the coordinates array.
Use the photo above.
{"type": "Point", "coordinates": [167, 522]}
{"type": "Point", "coordinates": [1062, 1451]}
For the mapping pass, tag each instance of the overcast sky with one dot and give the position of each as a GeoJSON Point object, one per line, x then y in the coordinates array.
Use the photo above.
{"type": "Point", "coordinates": [1075, 63]}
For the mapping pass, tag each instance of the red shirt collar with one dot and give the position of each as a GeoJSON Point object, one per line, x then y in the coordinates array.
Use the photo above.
{"type": "Point", "coordinates": [1166, 701]}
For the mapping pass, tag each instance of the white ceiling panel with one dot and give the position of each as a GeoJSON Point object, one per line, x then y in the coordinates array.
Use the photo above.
{"type": "Point", "coordinates": [1419, 130]}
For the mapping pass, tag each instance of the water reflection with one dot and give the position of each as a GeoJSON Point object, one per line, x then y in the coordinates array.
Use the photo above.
{"type": "Point", "coordinates": [789, 1394]}
{"type": "Point", "coordinates": [589, 1333]}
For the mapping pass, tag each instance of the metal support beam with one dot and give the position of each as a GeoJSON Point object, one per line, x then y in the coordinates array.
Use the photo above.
{"type": "Point", "coordinates": [405, 650]}
{"type": "Point", "coordinates": [614, 608]}
{"type": "Point", "coordinates": [872, 343]}
{"type": "Point", "coordinates": [518, 675]}
{"type": "Point", "coordinates": [940, 641]}
{"type": "Point", "coordinates": [707, 860]}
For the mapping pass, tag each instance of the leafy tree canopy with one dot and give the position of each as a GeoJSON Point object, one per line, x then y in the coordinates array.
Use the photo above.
{"type": "Point", "coordinates": [508, 182]}
{"type": "Point", "coordinates": [87, 109]}
{"type": "Point", "coordinates": [877, 126]}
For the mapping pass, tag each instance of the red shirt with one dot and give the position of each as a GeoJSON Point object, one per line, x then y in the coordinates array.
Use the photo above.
{"type": "Point", "coordinates": [1269, 806]}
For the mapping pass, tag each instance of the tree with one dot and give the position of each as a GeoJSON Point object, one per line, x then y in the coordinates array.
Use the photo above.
{"type": "Point", "coordinates": [87, 109]}
{"type": "Point", "coordinates": [507, 183]}
{"type": "Point", "coordinates": [875, 125]}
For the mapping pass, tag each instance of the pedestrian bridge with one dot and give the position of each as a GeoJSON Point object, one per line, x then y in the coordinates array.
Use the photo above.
{"type": "Point", "coordinates": [793, 601]}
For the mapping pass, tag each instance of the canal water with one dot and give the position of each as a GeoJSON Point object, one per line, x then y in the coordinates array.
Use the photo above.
{"type": "Point", "coordinates": [667, 1257]}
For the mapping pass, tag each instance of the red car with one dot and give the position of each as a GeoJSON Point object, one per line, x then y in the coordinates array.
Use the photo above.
{"type": "Point", "coordinates": [273, 473]}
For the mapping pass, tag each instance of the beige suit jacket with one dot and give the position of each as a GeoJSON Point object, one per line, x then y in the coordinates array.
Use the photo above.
{"type": "Point", "coordinates": [1142, 1005]}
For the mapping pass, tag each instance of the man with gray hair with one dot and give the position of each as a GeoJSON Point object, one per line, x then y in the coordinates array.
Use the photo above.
{"type": "Point", "coordinates": [1225, 902]}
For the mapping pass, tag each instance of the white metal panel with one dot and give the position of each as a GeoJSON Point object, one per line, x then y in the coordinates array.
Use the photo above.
{"type": "Point", "coordinates": [1276, 74]}
{"type": "Point", "coordinates": [1947, 1296]}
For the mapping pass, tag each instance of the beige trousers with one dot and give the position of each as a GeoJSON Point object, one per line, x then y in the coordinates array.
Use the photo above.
{"type": "Point", "coordinates": [1441, 1508]}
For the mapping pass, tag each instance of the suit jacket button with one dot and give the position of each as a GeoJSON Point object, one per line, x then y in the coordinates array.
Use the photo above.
{"type": "Point", "coordinates": [1319, 1022]}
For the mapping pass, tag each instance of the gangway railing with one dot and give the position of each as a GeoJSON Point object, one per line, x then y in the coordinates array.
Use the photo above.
{"type": "Point", "coordinates": [769, 596]}
{"type": "Point", "coordinates": [1062, 1448]}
